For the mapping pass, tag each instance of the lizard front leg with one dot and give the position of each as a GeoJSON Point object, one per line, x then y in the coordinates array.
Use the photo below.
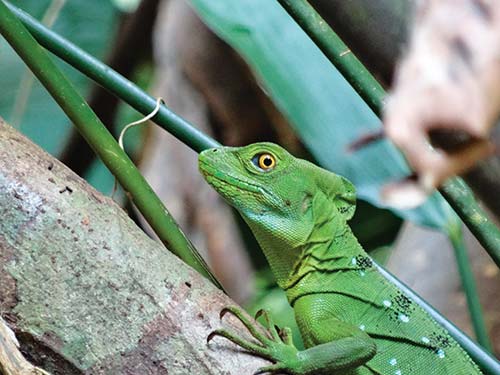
{"type": "Point", "coordinates": [345, 353]}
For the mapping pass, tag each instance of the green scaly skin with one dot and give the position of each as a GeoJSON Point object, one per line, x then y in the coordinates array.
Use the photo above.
{"type": "Point", "coordinates": [352, 320]}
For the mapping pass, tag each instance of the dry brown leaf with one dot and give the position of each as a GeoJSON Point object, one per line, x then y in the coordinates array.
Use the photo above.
{"type": "Point", "coordinates": [446, 97]}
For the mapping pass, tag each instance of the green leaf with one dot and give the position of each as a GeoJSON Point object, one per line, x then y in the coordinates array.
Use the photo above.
{"type": "Point", "coordinates": [321, 106]}
{"type": "Point", "coordinates": [88, 23]}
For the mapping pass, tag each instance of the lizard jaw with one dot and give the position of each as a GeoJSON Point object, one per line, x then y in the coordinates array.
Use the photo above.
{"type": "Point", "coordinates": [212, 176]}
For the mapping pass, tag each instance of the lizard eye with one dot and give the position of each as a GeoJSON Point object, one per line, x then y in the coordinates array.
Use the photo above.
{"type": "Point", "coordinates": [264, 161]}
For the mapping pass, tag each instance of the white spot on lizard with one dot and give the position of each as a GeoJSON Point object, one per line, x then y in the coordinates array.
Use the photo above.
{"type": "Point", "coordinates": [404, 318]}
{"type": "Point", "coordinates": [387, 303]}
{"type": "Point", "coordinates": [393, 362]}
{"type": "Point", "coordinates": [440, 353]}
{"type": "Point", "coordinates": [425, 340]}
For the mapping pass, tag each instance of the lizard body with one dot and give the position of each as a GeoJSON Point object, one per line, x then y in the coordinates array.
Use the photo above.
{"type": "Point", "coordinates": [352, 320]}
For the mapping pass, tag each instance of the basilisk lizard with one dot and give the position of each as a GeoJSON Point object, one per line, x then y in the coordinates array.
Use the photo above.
{"type": "Point", "coordinates": [352, 320]}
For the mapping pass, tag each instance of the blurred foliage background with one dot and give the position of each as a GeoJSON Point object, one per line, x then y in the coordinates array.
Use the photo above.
{"type": "Point", "coordinates": [250, 75]}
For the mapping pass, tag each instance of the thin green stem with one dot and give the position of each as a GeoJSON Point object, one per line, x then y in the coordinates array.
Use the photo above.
{"type": "Point", "coordinates": [469, 287]}
{"type": "Point", "coordinates": [337, 52]}
{"type": "Point", "coordinates": [462, 200]}
{"type": "Point", "coordinates": [373, 94]}
{"type": "Point", "coordinates": [100, 139]}
{"type": "Point", "coordinates": [115, 83]}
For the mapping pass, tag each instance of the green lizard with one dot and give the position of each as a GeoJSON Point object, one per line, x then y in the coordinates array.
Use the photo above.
{"type": "Point", "coordinates": [352, 319]}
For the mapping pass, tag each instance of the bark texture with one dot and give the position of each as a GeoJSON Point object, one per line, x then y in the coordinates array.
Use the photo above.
{"type": "Point", "coordinates": [86, 291]}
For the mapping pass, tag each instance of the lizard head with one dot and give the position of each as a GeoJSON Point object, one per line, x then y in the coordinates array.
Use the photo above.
{"type": "Point", "coordinates": [281, 197]}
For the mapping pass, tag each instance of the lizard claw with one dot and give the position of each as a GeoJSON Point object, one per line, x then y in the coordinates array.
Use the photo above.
{"type": "Point", "coordinates": [271, 327]}
{"type": "Point", "coordinates": [286, 335]}
{"type": "Point", "coordinates": [245, 344]}
{"type": "Point", "coordinates": [260, 313]}
{"type": "Point", "coordinates": [210, 336]}
{"type": "Point", "coordinates": [254, 330]}
{"type": "Point", "coordinates": [273, 369]}
{"type": "Point", "coordinates": [223, 312]}
{"type": "Point", "coordinates": [272, 343]}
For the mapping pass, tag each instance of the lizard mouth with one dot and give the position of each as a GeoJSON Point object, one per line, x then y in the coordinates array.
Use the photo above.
{"type": "Point", "coordinates": [218, 178]}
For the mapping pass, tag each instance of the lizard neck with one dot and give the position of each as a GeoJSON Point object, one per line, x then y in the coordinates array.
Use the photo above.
{"type": "Point", "coordinates": [311, 236]}
{"type": "Point", "coordinates": [327, 259]}
{"type": "Point", "coordinates": [282, 255]}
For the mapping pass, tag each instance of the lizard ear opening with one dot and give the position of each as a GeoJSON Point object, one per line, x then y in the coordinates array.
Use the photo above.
{"type": "Point", "coordinates": [341, 191]}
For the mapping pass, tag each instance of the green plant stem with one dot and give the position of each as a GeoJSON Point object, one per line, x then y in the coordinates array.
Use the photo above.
{"type": "Point", "coordinates": [337, 52]}
{"type": "Point", "coordinates": [100, 139]}
{"type": "Point", "coordinates": [115, 83]}
{"type": "Point", "coordinates": [469, 287]}
{"type": "Point", "coordinates": [462, 200]}
{"type": "Point", "coordinates": [373, 94]}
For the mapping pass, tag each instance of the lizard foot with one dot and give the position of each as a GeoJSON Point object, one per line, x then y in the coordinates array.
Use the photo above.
{"type": "Point", "coordinates": [273, 344]}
